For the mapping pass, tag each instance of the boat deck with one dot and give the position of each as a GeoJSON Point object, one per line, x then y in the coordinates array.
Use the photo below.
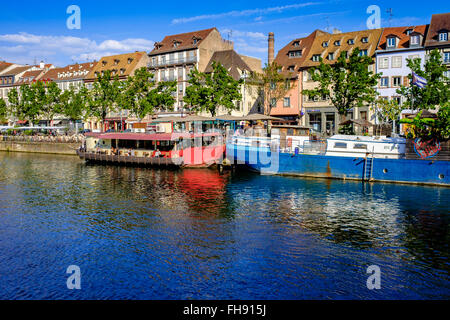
{"type": "Point", "coordinates": [146, 161]}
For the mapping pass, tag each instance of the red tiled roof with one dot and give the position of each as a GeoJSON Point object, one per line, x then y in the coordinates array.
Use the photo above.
{"type": "Point", "coordinates": [185, 41]}
{"type": "Point", "coordinates": [70, 71]}
{"type": "Point", "coordinates": [303, 44]}
{"type": "Point", "coordinates": [439, 22]}
{"type": "Point", "coordinates": [400, 33]}
{"type": "Point", "coordinates": [4, 65]}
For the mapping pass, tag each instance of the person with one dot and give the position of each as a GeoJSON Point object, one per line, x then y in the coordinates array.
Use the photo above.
{"type": "Point", "coordinates": [157, 153]}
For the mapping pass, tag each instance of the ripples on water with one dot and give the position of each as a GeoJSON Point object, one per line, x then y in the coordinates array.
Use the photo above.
{"type": "Point", "coordinates": [193, 234]}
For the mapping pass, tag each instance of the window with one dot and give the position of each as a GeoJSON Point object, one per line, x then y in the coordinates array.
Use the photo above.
{"type": "Point", "coordinates": [446, 57]}
{"type": "Point", "coordinates": [391, 42]}
{"type": "Point", "coordinates": [360, 146]}
{"type": "Point", "coordinates": [396, 62]}
{"type": "Point", "coordinates": [280, 69]}
{"type": "Point", "coordinates": [363, 53]}
{"type": "Point", "coordinates": [447, 74]}
{"type": "Point", "coordinates": [295, 54]}
{"type": "Point", "coordinates": [180, 88]}
{"type": "Point", "coordinates": [384, 81]}
{"type": "Point", "coordinates": [398, 100]}
{"type": "Point", "coordinates": [296, 43]}
{"type": "Point", "coordinates": [383, 63]}
{"type": "Point", "coordinates": [351, 41]}
{"type": "Point", "coordinates": [291, 68]}
{"type": "Point", "coordinates": [287, 102]}
{"type": "Point", "coordinates": [316, 58]}
{"type": "Point", "coordinates": [408, 32]}
{"type": "Point", "coordinates": [116, 62]}
{"type": "Point", "coordinates": [325, 44]}
{"type": "Point", "coordinates": [443, 36]}
{"type": "Point", "coordinates": [414, 56]}
{"type": "Point", "coordinates": [194, 41]}
{"type": "Point", "coordinates": [337, 43]}
{"type": "Point", "coordinates": [130, 60]}
{"type": "Point", "coordinates": [340, 145]}
{"type": "Point", "coordinates": [396, 81]}
{"type": "Point", "coordinates": [365, 40]}
{"type": "Point", "coordinates": [414, 40]}
{"type": "Point", "coordinates": [331, 56]}
{"type": "Point", "coordinates": [104, 63]}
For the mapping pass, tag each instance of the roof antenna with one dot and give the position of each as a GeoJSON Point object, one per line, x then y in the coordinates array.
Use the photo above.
{"type": "Point", "coordinates": [230, 34]}
{"type": "Point", "coordinates": [390, 16]}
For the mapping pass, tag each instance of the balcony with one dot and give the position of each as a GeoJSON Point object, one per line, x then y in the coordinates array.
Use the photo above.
{"type": "Point", "coordinates": [159, 64]}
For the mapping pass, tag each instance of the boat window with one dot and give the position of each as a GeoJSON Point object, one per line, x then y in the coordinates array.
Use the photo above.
{"type": "Point", "coordinates": [360, 146]}
{"type": "Point", "coordinates": [340, 145]}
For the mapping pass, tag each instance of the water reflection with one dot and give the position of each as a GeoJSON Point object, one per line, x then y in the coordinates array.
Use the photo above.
{"type": "Point", "coordinates": [197, 234]}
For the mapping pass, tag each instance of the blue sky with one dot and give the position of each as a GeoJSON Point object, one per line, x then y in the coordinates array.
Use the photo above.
{"type": "Point", "coordinates": [31, 30]}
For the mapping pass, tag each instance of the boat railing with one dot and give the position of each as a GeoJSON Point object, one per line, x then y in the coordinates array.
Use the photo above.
{"type": "Point", "coordinates": [314, 146]}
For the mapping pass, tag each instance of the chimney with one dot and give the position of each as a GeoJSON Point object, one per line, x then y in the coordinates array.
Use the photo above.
{"type": "Point", "coordinates": [42, 65]}
{"type": "Point", "coordinates": [271, 47]}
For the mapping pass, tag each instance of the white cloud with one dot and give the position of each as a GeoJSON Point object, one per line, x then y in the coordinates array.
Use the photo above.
{"type": "Point", "coordinates": [242, 13]}
{"type": "Point", "coordinates": [25, 48]}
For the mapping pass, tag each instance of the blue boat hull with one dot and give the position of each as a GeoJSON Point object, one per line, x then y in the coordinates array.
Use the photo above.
{"type": "Point", "coordinates": [334, 167]}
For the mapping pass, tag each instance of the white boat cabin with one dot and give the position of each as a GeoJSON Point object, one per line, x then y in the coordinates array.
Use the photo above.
{"type": "Point", "coordinates": [362, 146]}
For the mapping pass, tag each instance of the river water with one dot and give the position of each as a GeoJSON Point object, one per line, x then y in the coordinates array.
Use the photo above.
{"type": "Point", "coordinates": [141, 233]}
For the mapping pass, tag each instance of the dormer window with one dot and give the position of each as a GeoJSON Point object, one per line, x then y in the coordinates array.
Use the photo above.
{"type": "Point", "coordinates": [363, 53]}
{"type": "Point", "coordinates": [325, 44]}
{"type": "Point", "coordinates": [130, 60]}
{"type": "Point", "coordinates": [104, 63]}
{"type": "Point", "coordinates": [122, 72]}
{"type": "Point", "coordinates": [414, 40]}
{"type": "Point", "coordinates": [116, 62]}
{"type": "Point", "coordinates": [351, 41]}
{"type": "Point", "coordinates": [365, 40]}
{"type": "Point", "coordinates": [316, 58]}
{"type": "Point", "coordinates": [443, 36]}
{"type": "Point", "coordinates": [295, 54]}
{"type": "Point", "coordinates": [296, 43]}
{"type": "Point", "coordinates": [337, 43]}
{"type": "Point", "coordinates": [331, 56]}
{"type": "Point", "coordinates": [391, 42]}
{"type": "Point", "coordinates": [408, 32]}
{"type": "Point", "coordinates": [291, 68]}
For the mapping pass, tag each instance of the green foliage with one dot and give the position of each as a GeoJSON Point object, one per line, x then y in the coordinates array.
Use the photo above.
{"type": "Point", "coordinates": [208, 91]}
{"type": "Point", "coordinates": [430, 128]}
{"type": "Point", "coordinates": [346, 129]}
{"type": "Point", "coordinates": [74, 103]}
{"type": "Point", "coordinates": [348, 83]}
{"type": "Point", "coordinates": [52, 100]}
{"type": "Point", "coordinates": [142, 96]}
{"type": "Point", "coordinates": [273, 83]}
{"type": "Point", "coordinates": [436, 92]}
{"type": "Point", "coordinates": [3, 110]}
{"type": "Point", "coordinates": [387, 110]}
{"type": "Point", "coordinates": [103, 96]}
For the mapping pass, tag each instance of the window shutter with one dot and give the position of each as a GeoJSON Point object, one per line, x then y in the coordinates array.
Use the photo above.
{"type": "Point", "coordinates": [405, 81]}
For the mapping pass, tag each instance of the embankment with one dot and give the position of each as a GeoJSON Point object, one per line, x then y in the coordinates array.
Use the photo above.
{"type": "Point", "coordinates": [40, 147]}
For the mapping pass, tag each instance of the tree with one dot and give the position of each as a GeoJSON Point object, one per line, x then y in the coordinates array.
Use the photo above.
{"type": "Point", "coordinates": [348, 83]}
{"type": "Point", "coordinates": [14, 102]}
{"type": "Point", "coordinates": [141, 95]}
{"type": "Point", "coordinates": [387, 111]}
{"type": "Point", "coordinates": [435, 93]}
{"type": "Point", "coordinates": [74, 103]}
{"type": "Point", "coordinates": [273, 83]}
{"type": "Point", "coordinates": [209, 91]}
{"type": "Point", "coordinates": [103, 96]}
{"type": "Point", "coordinates": [52, 104]}
{"type": "Point", "coordinates": [31, 102]}
{"type": "Point", "coordinates": [3, 110]}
